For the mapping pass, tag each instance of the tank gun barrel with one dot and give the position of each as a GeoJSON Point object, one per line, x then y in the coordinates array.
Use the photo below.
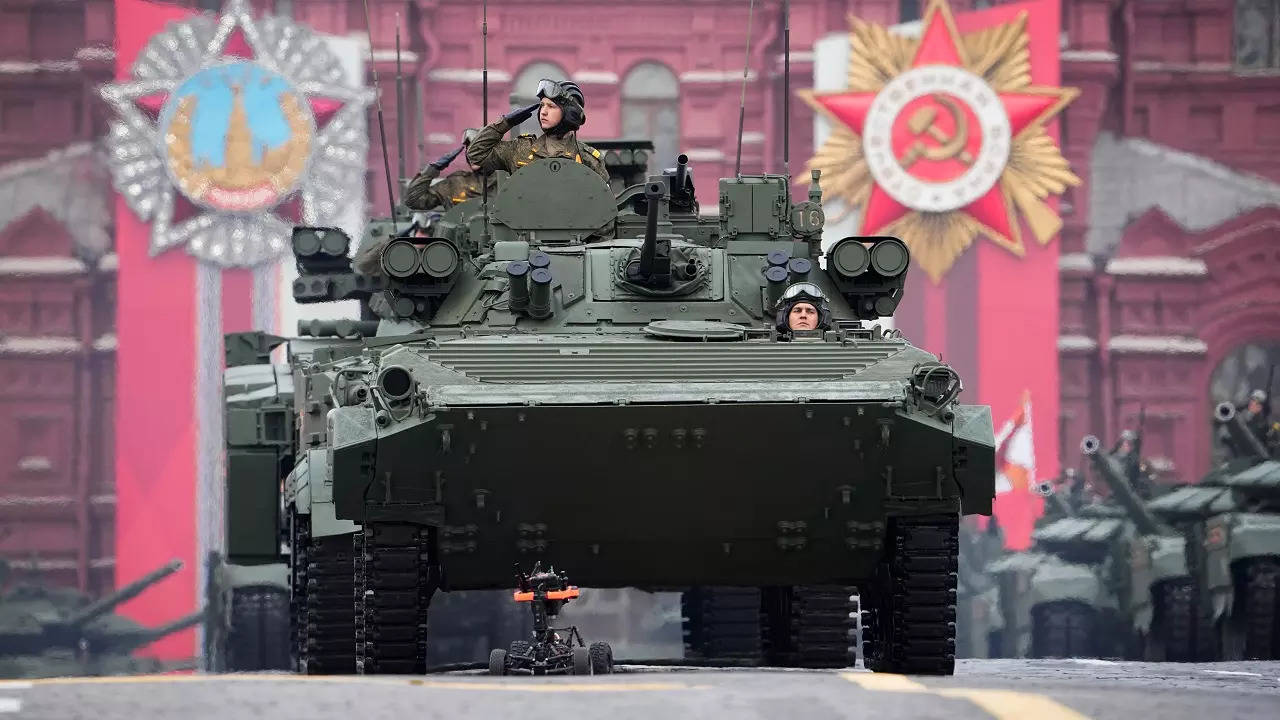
{"type": "Point", "coordinates": [106, 604]}
{"type": "Point", "coordinates": [1046, 490]}
{"type": "Point", "coordinates": [147, 636]}
{"type": "Point", "coordinates": [1113, 474]}
{"type": "Point", "coordinates": [1244, 441]}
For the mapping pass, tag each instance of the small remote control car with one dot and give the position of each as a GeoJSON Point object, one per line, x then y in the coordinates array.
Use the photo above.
{"type": "Point", "coordinates": [550, 651]}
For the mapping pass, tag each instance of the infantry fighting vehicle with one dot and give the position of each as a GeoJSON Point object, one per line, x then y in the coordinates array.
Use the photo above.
{"type": "Point", "coordinates": [597, 382]}
{"type": "Point", "coordinates": [52, 632]}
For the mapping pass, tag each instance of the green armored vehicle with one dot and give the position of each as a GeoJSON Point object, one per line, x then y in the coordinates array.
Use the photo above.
{"type": "Point", "coordinates": [57, 632]}
{"type": "Point", "coordinates": [1158, 592]}
{"type": "Point", "coordinates": [601, 382]}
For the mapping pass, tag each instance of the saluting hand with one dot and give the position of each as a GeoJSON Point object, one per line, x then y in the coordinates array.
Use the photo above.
{"type": "Point", "coordinates": [443, 161]}
{"type": "Point", "coordinates": [519, 115]}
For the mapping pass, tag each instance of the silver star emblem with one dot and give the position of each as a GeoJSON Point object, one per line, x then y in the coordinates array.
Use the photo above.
{"type": "Point", "coordinates": [237, 225]}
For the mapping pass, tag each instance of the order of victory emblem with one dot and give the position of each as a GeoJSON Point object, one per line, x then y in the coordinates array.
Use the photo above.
{"type": "Point", "coordinates": [941, 138]}
{"type": "Point", "coordinates": [233, 129]}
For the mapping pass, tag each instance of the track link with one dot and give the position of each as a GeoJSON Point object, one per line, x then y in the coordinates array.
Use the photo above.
{"type": "Point", "coordinates": [722, 623]}
{"type": "Point", "coordinates": [912, 611]}
{"type": "Point", "coordinates": [259, 635]}
{"type": "Point", "coordinates": [809, 626]}
{"type": "Point", "coordinates": [1063, 630]}
{"type": "Point", "coordinates": [1261, 605]}
{"type": "Point", "coordinates": [322, 608]}
{"type": "Point", "coordinates": [394, 586]}
{"type": "Point", "coordinates": [1177, 621]}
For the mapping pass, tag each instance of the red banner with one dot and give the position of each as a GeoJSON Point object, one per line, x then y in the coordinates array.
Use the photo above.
{"type": "Point", "coordinates": [155, 393]}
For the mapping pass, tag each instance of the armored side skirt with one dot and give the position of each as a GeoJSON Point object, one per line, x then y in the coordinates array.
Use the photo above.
{"type": "Point", "coordinates": [660, 495]}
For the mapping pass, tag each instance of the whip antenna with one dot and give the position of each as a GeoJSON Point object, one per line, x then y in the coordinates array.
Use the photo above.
{"type": "Point", "coordinates": [484, 109]}
{"type": "Point", "coordinates": [786, 89]}
{"type": "Point", "coordinates": [382, 129]}
{"type": "Point", "coordinates": [742, 103]}
{"type": "Point", "coordinates": [399, 104]}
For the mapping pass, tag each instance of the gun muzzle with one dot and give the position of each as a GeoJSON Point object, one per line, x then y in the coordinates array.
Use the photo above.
{"type": "Point", "coordinates": [1090, 445]}
{"type": "Point", "coordinates": [1044, 488]}
{"type": "Point", "coordinates": [1224, 412]}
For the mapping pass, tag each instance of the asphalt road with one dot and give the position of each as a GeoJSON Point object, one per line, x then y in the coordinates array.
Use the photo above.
{"type": "Point", "coordinates": [1000, 689]}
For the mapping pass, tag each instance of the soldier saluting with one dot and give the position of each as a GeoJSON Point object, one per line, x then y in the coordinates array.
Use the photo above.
{"type": "Point", "coordinates": [422, 195]}
{"type": "Point", "coordinates": [561, 113]}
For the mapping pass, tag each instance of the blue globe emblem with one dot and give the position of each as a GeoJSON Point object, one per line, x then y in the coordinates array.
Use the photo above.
{"type": "Point", "coordinates": [237, 137]}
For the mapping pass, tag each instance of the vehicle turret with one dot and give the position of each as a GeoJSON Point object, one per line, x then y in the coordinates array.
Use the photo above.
{"type": "Point", "coordinates": [1112, 472]}
{"type": "Point", "coordinates": [106, 604]}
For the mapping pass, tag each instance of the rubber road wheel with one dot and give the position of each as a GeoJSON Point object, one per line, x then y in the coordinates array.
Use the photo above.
{"type": "Point", "coordinates": [498, 662]}
{"type": "Point", "coordinates": [581, 661]}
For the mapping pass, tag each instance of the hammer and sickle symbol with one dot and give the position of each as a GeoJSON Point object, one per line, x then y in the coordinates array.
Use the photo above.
{"type": "Point", "coordinates": [922, 123]}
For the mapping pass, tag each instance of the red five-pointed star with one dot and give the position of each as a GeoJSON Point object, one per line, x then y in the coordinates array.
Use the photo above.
{"type": "Point", "coordinates": [940, 44]}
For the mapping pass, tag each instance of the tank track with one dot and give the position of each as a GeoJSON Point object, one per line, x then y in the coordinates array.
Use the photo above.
{"type": "Point", "coordinates": [809, 626]}
{"type": "Point", "coordinates": [910, 625]}
{"type": "Point", "coordinates": [259, 635]}
{"type": "Point", "coordinates": [322, 610]}
{"type": "Point", "coordinates": [722, 623]}
{"type": "Point", "coordinates": [1063, 630]}
{"type": "Point", "coordinates": [1261, 605]}
{"type": "Point", "coordinates": [1187, 633]}
{"type": "Point", "coordinates": [394, 585]}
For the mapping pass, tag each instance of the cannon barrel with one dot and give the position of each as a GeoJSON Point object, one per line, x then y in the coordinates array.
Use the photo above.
{"type": "Point", "coordinates": [1045, 489]}
{"type": "Point", "coordinates": [1242, 439]}
{"type": "Point", "coordinates": [106, 604]}
{"type": "Point", "coordinates": [1113, 474]}
{"type": "Point", "coordinates": [142, 638]}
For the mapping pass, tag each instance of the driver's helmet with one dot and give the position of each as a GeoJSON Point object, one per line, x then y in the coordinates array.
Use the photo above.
{"type": "Point", "coordinates": [798, 293]}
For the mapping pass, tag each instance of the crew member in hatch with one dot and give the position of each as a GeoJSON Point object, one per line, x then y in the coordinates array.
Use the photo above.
{"type": "Point", "coordinates": [802, 307]}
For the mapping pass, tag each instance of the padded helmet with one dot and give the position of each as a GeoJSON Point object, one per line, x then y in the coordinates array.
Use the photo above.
{"type": "Point", "coordinates": [798, 293]}
{"type": "Point", "coordinates": [569, 98]}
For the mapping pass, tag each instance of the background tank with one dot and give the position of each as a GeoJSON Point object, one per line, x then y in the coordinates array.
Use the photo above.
{"type": "Point", "coordinates": [52, 632]}
{"type": "Point", "coordinates": [569, 391]}
{"type": "Point", "coordinates": [1159, 594]}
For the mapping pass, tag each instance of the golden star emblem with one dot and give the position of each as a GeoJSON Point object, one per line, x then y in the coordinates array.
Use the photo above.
{"type": "Point", "coordinates": [941, 138]}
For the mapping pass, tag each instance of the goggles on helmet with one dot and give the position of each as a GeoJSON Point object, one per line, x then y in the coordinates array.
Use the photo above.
{"type": "Point", "coordinates": [552, 90]}
{"type": "Point", "coordinates": [803, 289]}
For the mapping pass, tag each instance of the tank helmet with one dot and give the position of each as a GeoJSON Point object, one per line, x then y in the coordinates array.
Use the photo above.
{"type": "Point", "coordinates": [569, 98]}
{"type": "Point", "coordinates": [1258, 395]}
{"type": "Point", "coordinates": [1128, 435]}
{"type": "Point", "coordinates": [802, 292]}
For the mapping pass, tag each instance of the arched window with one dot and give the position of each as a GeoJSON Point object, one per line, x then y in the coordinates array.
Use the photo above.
{"type": "Point", "coordinates": [526, 84]}
{"type": "Point", "coordinates": [651, 109]}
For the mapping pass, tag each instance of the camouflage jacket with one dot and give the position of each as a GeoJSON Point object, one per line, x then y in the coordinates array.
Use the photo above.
{"type": "Point", "coordinates": [490, 152]}
{"type": "Point", "coordinates": [456, 187]}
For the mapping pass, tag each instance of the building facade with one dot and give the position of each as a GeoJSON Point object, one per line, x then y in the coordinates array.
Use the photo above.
{"type": "Point", "coordinates": [1169, 292]}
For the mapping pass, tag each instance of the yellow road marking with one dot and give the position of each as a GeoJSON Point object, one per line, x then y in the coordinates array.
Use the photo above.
{"type": "Point", "coordinates": [514, 685]}
{"type": "Point", "coordinates": [1012, 705]}
{"type": "Point", "coordinates": [884, 682]}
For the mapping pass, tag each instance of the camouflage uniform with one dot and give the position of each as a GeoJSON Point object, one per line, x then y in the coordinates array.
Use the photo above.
{"type": "Point", "coordinates": [490, 152]}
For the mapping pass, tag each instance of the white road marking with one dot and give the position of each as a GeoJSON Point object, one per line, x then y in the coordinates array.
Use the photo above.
{"type": "Point", "coordinates": [1093, 661]}
{"type": "Point", "coordinates": [1234, 672]}
{"type": "Point", "coordinates": [15, 685]}
{"type": "Point", "coordinates": [10, 705]}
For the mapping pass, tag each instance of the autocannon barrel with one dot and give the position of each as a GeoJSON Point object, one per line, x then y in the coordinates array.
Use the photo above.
{"type": "Point", "coordinates": [1244, 442]}
{"type": "Point", "coordinates": [106, 604]}
{"type": "Point", "coordinates": [1113, 473]}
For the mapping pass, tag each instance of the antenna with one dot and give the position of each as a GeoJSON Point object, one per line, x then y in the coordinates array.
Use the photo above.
{"type": "Point", "coordinates": [484, 109]}
{"type": "Point", "coordinates": [786, 89]}
{"type": "Point", "coordinates": [742, 103]}
{"type": "Point", "coordinates": [382, 129]}
{"type": "Point", "coordinates": [399, 103]}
